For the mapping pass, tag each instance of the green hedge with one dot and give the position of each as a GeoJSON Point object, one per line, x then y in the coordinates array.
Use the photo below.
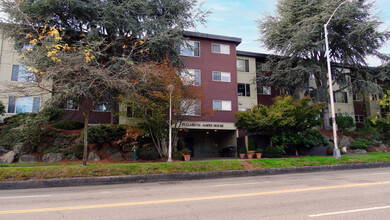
{"type": "Point", "coordinates": [68, 125]}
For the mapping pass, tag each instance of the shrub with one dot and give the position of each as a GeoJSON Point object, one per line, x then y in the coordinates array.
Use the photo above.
{"type": "Point", "coordinates": [313, 138]}
{"type": "Point", "coordinates": [251, 144]}
{"type": "Point", "coordinates": [68, 125]}
{"type": "Point", "coordinates": [381, 124]}
{"type": "Point", "coordinates": [52, 113]}
{"type": "Point", "coordinates": [26, 128]}
{"type": "Point", "coordinates": [185, 151]}
{"type": "Point", "coordinates": [344, 121]}
{"type": "Point", "coordinates": [148, 152]}
{"type": "Point", "coordinates": [2, 108]}
{"type": "Point", "coordinates": [177, 155]}
{"type": "Point", "coordinates": [78, 150]}
{"type": "Point", "coordinates": [274, 151]}
{"type": "Point", "coordinates": [368, 131]}
{"type": "Point", "coordinates": [360, 143]}
{"type": "Point", "coordinates": [105, 133]}
{"type": "Point", "coordinates": [259, 150]}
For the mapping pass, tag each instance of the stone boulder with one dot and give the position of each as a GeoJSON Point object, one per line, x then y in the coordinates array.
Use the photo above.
{"type": "Point", "coordinates": [28, 159]}
{"type": "Point", "coordinates": [3, 150]}
{"type": "Point", "coordinates": [21, 149]}
{"type": "Point", "coordinates": [360, 151]}
{"type": "Point", "coordinates": [116, 156]}
{"type": "Point", "coordinates": [8, 157]}
{"type": "Point", "coordinates": [73, 158]}
{"type": "Point", "coordinates": [93, 156]}
{"type": "Point", "coordinates": [41, 148]}
{"type": "Point", "coordinates": [61, 142]}
{"type": "Point", "coordinates": [110, 150]}
{"type": "Point", "coordinates": [78, 142]}
{"type": "Point", "coordinates": [383, 146]}
{"type": "Point", "coordinates": [344, 142]}
{"type": "Point", "coordinates": [52, 157]}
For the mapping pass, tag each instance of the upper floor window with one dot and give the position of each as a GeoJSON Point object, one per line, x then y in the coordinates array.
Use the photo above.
{"type": "Point", "coordinates": [312, 76]}
{"type": "Point", "coordinates": [309, 92]}
{"type": "Point", "coordinates": [341, 97]}
{"type": "Point", "coordinates": [374, 97]}
{"type": "Point", "coordinates": [222, 105]}
{"type": "Point", "coordinates": [337, 73]}
{"type": "Point", "coordinates": [266, 90]}
{"type": "Point", "coordinates": [191, 107]}
{"type": "Point", "coordinates": [243, 65]}
{"type": "Point", "coordinates": [357, 97]}
{"type": "Point", "coordinates": [221, 48]}
{"type": "Point", "coordinates": [21, 74]}
{"type": "Point", "coordinates": [190, 48]}
{"type": "Point", "coordinates": [191, 77]}
{"type": "Point", "coordinates": [102, 107]}
{"type": "Point", "coordinates": [221, 76]}
{"type": "Point", "coordinates": [244, 89]}
{"type": "Point", "coordinates": [23, 104]}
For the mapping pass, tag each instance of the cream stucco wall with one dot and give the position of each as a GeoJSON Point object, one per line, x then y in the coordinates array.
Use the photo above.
{"type": "Point", "coordinates": [245, 102]}
{"type": "Point", "coordinates": [8, 58]}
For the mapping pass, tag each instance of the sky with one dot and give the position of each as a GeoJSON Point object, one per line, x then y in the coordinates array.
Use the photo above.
{"type": "Point", "coordinates": [238, 18]}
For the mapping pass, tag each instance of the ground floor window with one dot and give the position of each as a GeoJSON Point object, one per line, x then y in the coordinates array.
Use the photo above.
{"type": "Point", "coordinates": [102, 107]}
{"type": "Point", "coordinates": [359, 118]}
{"type": "Point", "coordinates": [23, 104]}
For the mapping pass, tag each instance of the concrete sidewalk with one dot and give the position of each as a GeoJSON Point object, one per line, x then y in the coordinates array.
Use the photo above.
{"type": "Point", "coordinates": [65, 182]}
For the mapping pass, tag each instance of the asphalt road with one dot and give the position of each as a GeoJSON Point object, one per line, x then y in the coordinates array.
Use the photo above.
{"type": "Point", "coordinates": [351, 194]}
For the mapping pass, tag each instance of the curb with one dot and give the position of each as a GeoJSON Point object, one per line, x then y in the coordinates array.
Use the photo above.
{"type": "Point", "coordinates": [89, 181]}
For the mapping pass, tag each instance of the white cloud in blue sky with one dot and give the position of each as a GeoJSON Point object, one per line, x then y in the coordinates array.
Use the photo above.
{"type": "Point", "coordinates": [237, 18]}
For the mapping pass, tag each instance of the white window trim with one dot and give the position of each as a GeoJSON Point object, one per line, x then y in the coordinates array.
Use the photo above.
{"type": "Point", "coordinates": [243, 71]}
{"type": "Point", "coordinates": [190, 71]}
{"type": "Point", "coordinates": [220, 45]}
{"type": "Point", "coordinates": [226, 110]}
{"type": "Point", "coordinates": [104, 103]}
{"type": "Point", "coordinates": [186, 41]}
{"type": "Point", "coordinates": [70, 109]}
{"type": "Point", "coordinates": [230, 76]}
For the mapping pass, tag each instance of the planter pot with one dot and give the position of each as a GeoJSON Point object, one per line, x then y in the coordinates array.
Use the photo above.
{"type": "Point", "coordinates": [258, 155]}
{"type": "Point", "coordinates": [249, 155]}
{"type": "Point", "coordinates": [242, 156]}
{"type": "Point", "coordinates": [187, 157]}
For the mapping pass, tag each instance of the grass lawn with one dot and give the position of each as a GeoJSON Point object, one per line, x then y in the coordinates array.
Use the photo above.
{"type": "Point", "coordinates": [28, 171]}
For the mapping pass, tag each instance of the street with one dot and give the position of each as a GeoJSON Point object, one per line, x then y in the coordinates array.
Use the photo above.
{"type": "Point", "coordinates": [350, 194]}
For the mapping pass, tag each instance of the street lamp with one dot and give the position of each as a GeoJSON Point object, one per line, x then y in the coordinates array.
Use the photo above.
{"type": "Point", "coordinates": [170, 90]}
{"type": "Point", "coordinates": [336, 151]}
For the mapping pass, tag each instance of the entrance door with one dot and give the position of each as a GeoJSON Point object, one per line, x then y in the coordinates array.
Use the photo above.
{"type": "Point", "coordinates": [202, 146]}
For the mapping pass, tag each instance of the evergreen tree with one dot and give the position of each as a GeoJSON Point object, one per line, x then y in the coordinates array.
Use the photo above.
{"type": "Point", "coordinates": [296, 34]}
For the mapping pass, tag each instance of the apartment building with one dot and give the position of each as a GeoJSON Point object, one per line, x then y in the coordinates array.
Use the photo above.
{"type": "Point", "coordinates": [226, 75]}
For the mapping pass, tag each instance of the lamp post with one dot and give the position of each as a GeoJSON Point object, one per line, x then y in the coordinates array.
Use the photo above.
{"type": "Point", "coordinates": [336, 151]}
{"type": "Point", "coordinates": [170, 90]}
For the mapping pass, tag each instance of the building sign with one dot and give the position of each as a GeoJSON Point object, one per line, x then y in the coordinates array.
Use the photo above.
{"type": "Point", "coordinates": [208, 125]}
{"type": "Point", "coordinates": [202, 125]}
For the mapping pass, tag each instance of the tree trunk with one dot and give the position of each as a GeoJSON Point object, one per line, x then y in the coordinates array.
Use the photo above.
{"type": "Point", "coordinates": [326, 116]}
{"type": "Point", "coordinates": [85, 151]}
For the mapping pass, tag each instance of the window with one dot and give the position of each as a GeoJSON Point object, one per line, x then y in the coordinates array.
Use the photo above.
{"type": "Point", "coordinates": [357, 97]}
{"type": "Point", "coordinates": [191, 77]}
{"type": "Point", "coordinates": [309, 92]}
{"type": "Point", "coordinates": [22, 47]}
{"type": "Point", "coordinates": [222, 105]}
{"type": "Point", "coordinates": [312, 76]}
{"type": "Point", "coordinates": [266, 90]}
{"type": "Point", "coordinates": [70, 105]}
{"type": "Point", "coordinates": [243, 65]}
{"type": "Point", "coordinates": [341, 97]}
{"type": "Point", "coordinates": [102, 107]}
{"type": "Point", "coordinates": [220, 48]}
{"type": "Point", "coordinates": [21, 74]}
{"type": "Point", "coordinates": [23, 104]}
{"type": "Point", "coordinates": [191, 107]}
{"type": "Point", "coordinates": [242, 109]}
{"type": "Point", "coordinates": [221, 76]}
{"type": "Point", "coordinates": [244, 89]}
{"type": "Point", "coordinates": [359, 118]}
{"type": "Point", "coordinates": [374, 97]}
{"type": "Point", "coordinates": [261, 67]}
{"type": "Point", "coordinates": [190, 48]}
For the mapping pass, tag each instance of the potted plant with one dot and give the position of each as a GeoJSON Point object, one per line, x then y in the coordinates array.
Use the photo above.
{"type": "Point", "coordinates": [251, 148]}
{"type": "Point", "coordinates": [258, 153]}
{"type": "Point", "coordinates": [242, 153]}
{"type": "Point", "coordinates": [186, 154]}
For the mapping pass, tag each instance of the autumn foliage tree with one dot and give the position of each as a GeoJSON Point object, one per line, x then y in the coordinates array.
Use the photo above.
{"type": "Point", "coordinates": [149, 105]}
